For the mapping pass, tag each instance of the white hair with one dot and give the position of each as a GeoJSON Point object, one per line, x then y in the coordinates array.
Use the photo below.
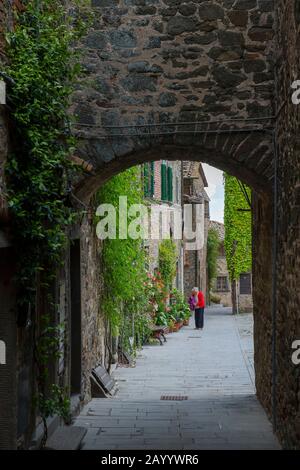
{"type": "Point", "coordinates": [195, 289]}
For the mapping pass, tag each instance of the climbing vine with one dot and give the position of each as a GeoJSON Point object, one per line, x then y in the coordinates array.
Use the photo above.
{"type": "Point", "coordinates": [43, 70]}
{"type": "Point", "coordinates": [238, 232]}
{"type": "Point", "coordinates": [124, 266]}
{"type": "Point", "coordinates": [213, 243]}
{"type": "Point", "coordinates": [167, 262]}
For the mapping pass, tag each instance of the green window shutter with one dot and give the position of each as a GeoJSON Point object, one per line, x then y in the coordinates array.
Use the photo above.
{"type": "Point", "coordinates": [146, 179]}
{"type": "Point", "coordinates": [163, 182]}
{"type": "Point", "coordinates": [170, 184]}
{"type": "Point", "coordinates": [152, 181]}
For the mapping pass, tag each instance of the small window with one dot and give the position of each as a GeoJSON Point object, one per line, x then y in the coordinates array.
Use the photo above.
{"type": "Point", "coordinates": [245, 284]}
{"type": "Point", "coordinates": [222, 284]}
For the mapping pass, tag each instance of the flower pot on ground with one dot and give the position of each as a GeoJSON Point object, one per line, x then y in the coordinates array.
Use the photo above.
{"type": "Point", "coordinates": [179, 324]}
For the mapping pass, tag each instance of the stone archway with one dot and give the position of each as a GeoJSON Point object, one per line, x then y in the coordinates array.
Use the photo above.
{"type": "Point", "coordinates": [246, 154]}
{"type": "Point", "coordinates": [168, 72]}
{"type": "Point", "coordinates": [166, 79]}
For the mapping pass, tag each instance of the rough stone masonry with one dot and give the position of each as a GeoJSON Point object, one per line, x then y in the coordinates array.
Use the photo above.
{"type": "Point", "coordinates": [164, 62]}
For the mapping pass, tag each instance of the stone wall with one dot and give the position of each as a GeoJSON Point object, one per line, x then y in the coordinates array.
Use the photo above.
{"type": "Point", "coordinates": [95, 335]}
{"type": "Point", "coordinates": [288, 263]}
{"type": "Point", "coordinates": [222, 270]}
{"type": "Point", "coordinates": [164, 62]}
{"type": "Point", "coordinates": [262, 298]}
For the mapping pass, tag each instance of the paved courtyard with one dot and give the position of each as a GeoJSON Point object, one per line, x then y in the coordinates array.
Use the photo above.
{"type": "Point", "coordinates": [212, 368]}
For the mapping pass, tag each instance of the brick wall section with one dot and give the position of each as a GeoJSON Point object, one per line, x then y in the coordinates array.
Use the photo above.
{"type": "Point", "coordinates": [288, 316]}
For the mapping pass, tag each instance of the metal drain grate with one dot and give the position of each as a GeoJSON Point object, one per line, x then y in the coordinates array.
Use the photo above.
{"type": "Point", "coordinates": [174, 397]}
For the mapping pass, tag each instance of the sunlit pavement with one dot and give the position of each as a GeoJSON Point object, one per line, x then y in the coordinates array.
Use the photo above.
{"type": "Point", "coordinates": [212, 368]}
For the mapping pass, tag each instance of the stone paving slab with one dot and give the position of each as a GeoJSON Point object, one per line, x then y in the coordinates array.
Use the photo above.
{"type": "Point", "coordinates": [213, 368]}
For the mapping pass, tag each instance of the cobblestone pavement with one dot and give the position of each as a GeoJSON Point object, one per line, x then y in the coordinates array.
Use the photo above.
{"type": "Point", "coordinates": [212, 368]}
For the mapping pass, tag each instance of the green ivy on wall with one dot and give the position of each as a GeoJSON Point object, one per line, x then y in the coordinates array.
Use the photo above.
{"type": "Point", "coordinates": [167, 262]}
{"type": "Point", "coordinates": [238, 228]}
{"type": "Point", "coordinates": [124, 266]}
{"type": "Point", "coordinates": [213, 243]}
{"type": "Point", "coordinates": [44, 70]}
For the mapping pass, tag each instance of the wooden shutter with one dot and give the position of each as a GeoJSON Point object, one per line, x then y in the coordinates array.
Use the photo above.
{"type": "Point", "coordinates": [152, 180]}
{"type": "Point", "coordinates": [170, 184]}
{"type": "Point", "coordinates": [146, 179]}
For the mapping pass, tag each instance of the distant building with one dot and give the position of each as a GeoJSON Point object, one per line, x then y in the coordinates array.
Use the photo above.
{"type": "Point", "coordinates": [163, 187]}
{"type": "Point", "coordinates": [194, 184]}
{"type": "Point", "coordinates": [222, 285]}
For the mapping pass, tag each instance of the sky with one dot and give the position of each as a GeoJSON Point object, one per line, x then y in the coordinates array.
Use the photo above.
{"type": "Point", "coordinates": [215, 191]}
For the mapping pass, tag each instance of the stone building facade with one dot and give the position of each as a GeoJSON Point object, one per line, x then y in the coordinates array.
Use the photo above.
{"type": "Point", "coordinates": [194, 194]}
{"type": "Point", "coordinates": [164, 63]}
{"type": "Point", "coordinates": [163, 192]}
{"type": "Point", "coordinates": [287, 305]}
{"type": "Point", "coordinates": [78, 298]}
{"type": "Point", "coordinates": [222, 286]}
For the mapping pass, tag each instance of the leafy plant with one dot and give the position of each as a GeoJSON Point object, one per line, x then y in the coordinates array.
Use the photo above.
{"type": "Point", "coordinates": [213, 243]}
{"type": "Point", "coordinates": [179, 307]}
{"type": "Point", "coordinates": [215, 299]}
{"type": "Point", "coordinates": [44, 69]}
{"type": "Point", "coordinates": [167, 262]}
{"type": "Point", "coordinates": [238, 231]}
{"type": "Point", "coordinates": [125, 298]}
{"type": "Point", "coordinates": [51, 398]}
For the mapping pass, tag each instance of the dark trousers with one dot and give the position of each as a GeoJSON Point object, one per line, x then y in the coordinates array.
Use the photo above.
{"type": "Point", "coordinates": [199, 317]}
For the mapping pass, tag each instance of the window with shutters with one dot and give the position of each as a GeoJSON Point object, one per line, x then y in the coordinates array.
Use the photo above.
{"type": "Point", "coordinates": [177, 192]}
{"type": "Point", "coordinates": [149, 179]}
{"type": "Point", "coordinates": [245, 284]}
{"type": "Point", "coordinates": [222, 284]}
{"type": "Point", "coordinates": [170, 183]}
{"type": "Point", "coordinates": [164, 182]}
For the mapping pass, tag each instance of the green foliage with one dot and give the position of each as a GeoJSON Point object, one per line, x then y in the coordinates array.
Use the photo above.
{"type": "Point", "coordinates": [51, 399]}
{"type": "Point", "coordinates": [44, 70]}
{"type": "Point", "coordinates": [213, 243]}
{"type": "Point", "coordinates": [123, 260]}
{"type": "Point", "coordinates": [215, 299]}
{"type": "Point", "coordinates": [167, 261]}
{"type": "Point", "coordinates": [180, 310]}
{"type": "Point", "coordinates": [238, 231]}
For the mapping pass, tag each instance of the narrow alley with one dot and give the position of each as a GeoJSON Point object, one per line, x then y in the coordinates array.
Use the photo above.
{"type": "Point", "coordinates": [213, 369]}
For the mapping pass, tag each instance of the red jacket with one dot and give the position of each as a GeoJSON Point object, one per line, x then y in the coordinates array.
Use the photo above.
{"type": "Point", "coordinates": [201, 301]}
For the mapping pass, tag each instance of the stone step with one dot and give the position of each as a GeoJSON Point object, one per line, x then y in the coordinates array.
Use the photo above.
{"type": "Point", "coordinates": [66, 438]}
